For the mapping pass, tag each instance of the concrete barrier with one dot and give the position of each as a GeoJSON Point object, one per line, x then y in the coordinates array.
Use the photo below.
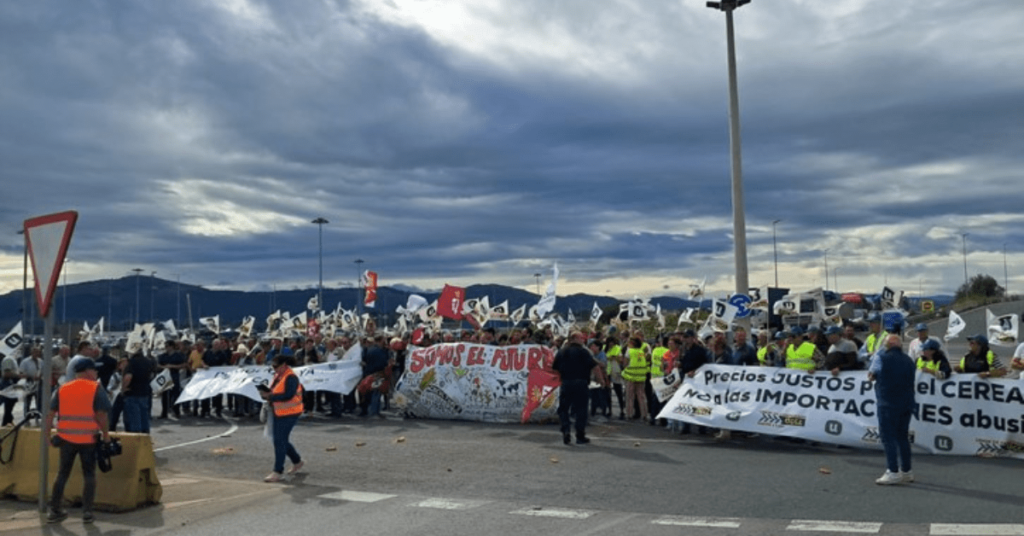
{"type": "Point", "coordinates": [132, 483]}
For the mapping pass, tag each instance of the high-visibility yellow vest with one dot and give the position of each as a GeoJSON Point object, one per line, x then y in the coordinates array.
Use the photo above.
{"type": "Point", "coordinates": [873, 341]}
{"type": "Point", "coordinates": [991, 357]}
{"type": "Point", "coordinates": [802, 358]}
{"type": "Point", "coordinates": [657, 357]}
{"type": "Point", "coordinates": [76, 420]}
{"type": "Point", "coordinates": [636, 370]}
{"type": "Point", "coordinates": [924, 364]}
{"type": "Point", "coordinates": [613, 352]}
{"type": "Point", "coordinates": [762, 353]}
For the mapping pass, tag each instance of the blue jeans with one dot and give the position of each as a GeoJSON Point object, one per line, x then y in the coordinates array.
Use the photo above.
{"type": "Point", "coordinates": [136, 414]}
{"type": "Point", "coordinates": [374, 408]}
{"type": "Point", "coordinates": [282, 446]}
{"type": "Point", "coordinates": [894, 432]}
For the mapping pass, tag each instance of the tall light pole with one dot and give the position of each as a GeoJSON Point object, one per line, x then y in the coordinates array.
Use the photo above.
{"type": "Point", "coordinates": [152, 293]}
{"type": "Point", "coordinates": [359, 280]}
{"type": "Point", "coordinates": [177, 316]}
{"type": "Point", "coordinates": [775, 252]}
{"type": "Point", "coordinates": [320, 286]}
{"type": "Point", "coordinates": [967, 287]}
{"type": "Point", "coordinates": [537, 277]}
{"type": "Point", "coordinates": [64, 306]}
{"type": "Point", "coordinates": [137, 272]}
{"type": "Point", "coordinates": [24, 288]}
{"type": "Point", "coordinates": [739, 227]}
{"type": "Point", "coordinates": [835, 278]}
{"type": "Point", "coordinates": [826, 269]}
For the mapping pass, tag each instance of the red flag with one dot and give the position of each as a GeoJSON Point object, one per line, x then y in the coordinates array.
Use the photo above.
{"type": "Point", "coordinates": [312, 328]}
{"type": "Point", "coordinates": [370, 284]}
{"type": "Point", "coordinates": [541, 389]}
{"type": "Point", "coordinates": [449, 305]}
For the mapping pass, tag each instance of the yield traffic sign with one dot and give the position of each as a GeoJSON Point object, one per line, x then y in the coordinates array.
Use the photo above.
{"type": "Point", "coordinates": [48, 238]}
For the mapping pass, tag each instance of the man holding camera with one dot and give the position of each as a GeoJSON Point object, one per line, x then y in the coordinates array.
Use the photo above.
{"type": "Point", "coordinates": [81, 408]}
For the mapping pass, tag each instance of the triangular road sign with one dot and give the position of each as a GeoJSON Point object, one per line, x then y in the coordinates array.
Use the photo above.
{"type": "Point", "coordinates": [48, 238]}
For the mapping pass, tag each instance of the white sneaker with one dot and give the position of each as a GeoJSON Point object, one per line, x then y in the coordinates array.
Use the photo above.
{"type": "Point", "coordinates": [889, 478]}
{"type": "Point", "coordinates": [907, 477]}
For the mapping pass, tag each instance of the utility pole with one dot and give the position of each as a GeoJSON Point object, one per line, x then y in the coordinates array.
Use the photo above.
{"type": "Point", "coordinates": [137, 272]}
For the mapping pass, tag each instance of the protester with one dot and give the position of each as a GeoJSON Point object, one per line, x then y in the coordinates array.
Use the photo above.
{"type": "Point", "coordinates": [376, 377]}
{"type": "Point", "coordinates": [841, 354]}
{"type": "Point", "coordinates": [80, 408]}
{"type": "Point", "coordinates": [285, 397]}
{"type": "Point", "coordinates": [893, 374]}
{"type": "Point", "coordinates": [9, 375]}
{"type": "Point", "coordinates": [694, 357]}
{"type": "Point", "coordinates": [613, 352]}
{"type": "Point", "coordinates": [173, 361]}
{"type": "Point", "coordinates": [574, 365]}
{"type": "Point", "coordinates": [914, 350]}
{"type": "Point", "coordinates": [138, 395]}
{"type": "Point", "coordinates": [933, 360]}
{"type": "Point", "coordinates": [599, 399]}
{"type": "Point", "coordinates": [801, 353]}
{"type": "Point", "coordinates": [634, 374]}
{"type": "Point", "coordinates": [981, 360]}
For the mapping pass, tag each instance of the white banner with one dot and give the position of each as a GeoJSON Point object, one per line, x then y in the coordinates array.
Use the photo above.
{"type": "Point", "coordinates": [161, 382]}
{"type": "Point", "coordinates": [666, 386]}
{"type": "Point", "coordinates": [336, 377]}
{"type": "Point", "coordinates": [474, 382]}
{"type": "Point", "coordinates": [963, 415]}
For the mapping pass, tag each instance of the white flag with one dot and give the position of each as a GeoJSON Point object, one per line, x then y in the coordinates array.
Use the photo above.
{"type": "Point", "coordinates": [500, 311]}
{"type": "Point", "coordinates": [11, 344]}
{"type": "Point", "coordinates": [429, 313]}
{"type": "Point", "coordinates": [298, 324]}
{"type": "Point", "coordinates": [412, 305]}
{"type": "Point", "coordinates": [891, 298]}
{"type": "Point", "coordinates": [723, 313]}
{"type": "Point", "coordinates": [696, 291]}
{"type": "Point", "coordinates": [595, 314]}
{"type": "Point", "coordinates": [759, 298]}
{"type": "Point", "coordinates": [245, 330]}
{"type": "Point", "coordinates": [1002, 330]}
{"type": "Point", "coordinates": [787, 306]}
{"type": "Point", "coordinates": [660, 317]}
{"type": "Point", "coordinates": [831, 314]}
{"type": "Point", "coordinates": [314, 303]}
{"type": "Point", "coordinates": [211, 323]}
{"type": "Point", "coordinates": [469, 305]}
{"type": "Point", "coordinates": [547, 302]}
{"type": "Point", "coordinates": [637, 310]}
{"type": "Point", "coordinates": [570, 318]}
{"type": "Point", "coordinates": [956, 325]}
{"type": "Point", "coordinates": [518, 314]}
{"type": "Point", "coordinates": [686, 316]}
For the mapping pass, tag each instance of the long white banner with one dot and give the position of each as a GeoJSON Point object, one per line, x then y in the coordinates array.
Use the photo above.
{"type": "Point", "coordinates": [478, 382]}
{"type": "Point", "coordinates": [963, 415]}
{"type": "Point", "coordinates": [336, 377]}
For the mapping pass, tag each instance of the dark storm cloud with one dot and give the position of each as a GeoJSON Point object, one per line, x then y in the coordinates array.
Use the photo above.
{"type": "Point", "coordinates": [202, 138]}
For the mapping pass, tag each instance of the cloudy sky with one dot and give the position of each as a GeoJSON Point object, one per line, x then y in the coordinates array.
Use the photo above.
{"type": "Point", "coordinates": [481, 141]}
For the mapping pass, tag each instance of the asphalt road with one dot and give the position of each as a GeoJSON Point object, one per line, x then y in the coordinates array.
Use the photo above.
{"type": "Point", "coordinates": [400, 476]}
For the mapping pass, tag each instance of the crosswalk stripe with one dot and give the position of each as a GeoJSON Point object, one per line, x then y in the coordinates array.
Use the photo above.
{"type": "Point", "coordinates": [554, 512]}
{"type": "Point", "coordinates": [356, 496]}
{"type": "Point", "coordinates": [710, 522]}
{"type": "Point", "coordinates": [448, 504]}
{"type": "Point", "coordinates": [811, 525]}
{"type": "Point", "coordinates": [976, 529]}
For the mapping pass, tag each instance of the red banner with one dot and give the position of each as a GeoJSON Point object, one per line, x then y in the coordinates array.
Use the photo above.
{"type": "Point", "coordinates": [370, 284]}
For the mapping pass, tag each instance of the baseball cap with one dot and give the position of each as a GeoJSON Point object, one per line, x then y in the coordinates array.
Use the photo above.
{"type": "Point", "coordinates": [921, 327]}
{"type": "Point", "coordinates": [930, 344]}
{"type": "Point", "coordinates": [689, 333]}
{"type": "Point", "coordinates": [82, 364]}
{"type": "Point", "coordinates": [833, 330]}
{"type": "Point", "coordinates": [980, 339]}
{"type": "Point", "coordinates": [781, 334]}
{"type": "Point", "coordinates": [796, 330]}
{"type": "Point", "coordinates": [874, 318]}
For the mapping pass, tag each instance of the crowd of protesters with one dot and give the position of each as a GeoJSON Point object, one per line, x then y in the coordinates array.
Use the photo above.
{"type": "Point", "coordinates": [620, 386]}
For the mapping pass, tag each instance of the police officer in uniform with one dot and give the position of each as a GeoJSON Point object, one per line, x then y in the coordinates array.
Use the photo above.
{"type": "Point", "coordinates": [574, 364]}
{"type": "Point", "coordinates": [80, 407]}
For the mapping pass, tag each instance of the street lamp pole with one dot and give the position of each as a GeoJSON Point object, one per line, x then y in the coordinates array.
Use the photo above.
{"type": "Point", "coordinates": [775, 252]}
{"type": "Point", "coordinates": [24, 287]}
{"type": "Point", "coordinates": [137, 272]}
{"type": "Point", "coordinates": [359, 281]}
{"type": "Point", "coordinates": [835, 278]}
{"type": "Point", "coordinates": [826, 269]}
{"type": "Point", "coordinates": [320, 285]}
{"type": "Point", "coordinates": [537, 277]}
{"type": "Point", "coordinates": [738, 216]}
{"type": "Point", "coordinates": [152, 292]}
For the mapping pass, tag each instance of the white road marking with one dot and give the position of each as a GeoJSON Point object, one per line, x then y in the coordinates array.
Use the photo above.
{"type": "Point", "coordinates": [560, 513]}
{"type": "Point", "coordinates": [687, 521]}
{"type": "Point", "coordinates": [356, 496]}
{"type": "Point", "coordinates": [234, 427]}
{"type": "Point", "coordinates": [976, 529]}
{"type": "Point", "coordinates": [176, 481]}
{"type": "Point", "coordinates": [811, 525]}
{"type": "Point", "coordinates": [449, 504]}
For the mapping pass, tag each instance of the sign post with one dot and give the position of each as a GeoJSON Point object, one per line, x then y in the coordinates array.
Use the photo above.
{"type": "Point", "coordinates": [47, 238]}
